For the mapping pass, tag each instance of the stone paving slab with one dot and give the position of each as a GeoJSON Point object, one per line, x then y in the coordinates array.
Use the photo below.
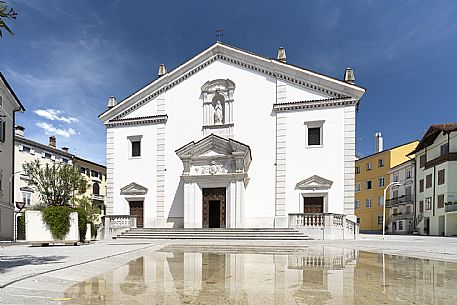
{"type": "Point", "coordinates": [42, 275]}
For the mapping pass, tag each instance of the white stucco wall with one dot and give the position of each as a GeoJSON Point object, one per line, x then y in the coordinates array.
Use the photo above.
{"type": "Point", "coordinates": [254, 125]}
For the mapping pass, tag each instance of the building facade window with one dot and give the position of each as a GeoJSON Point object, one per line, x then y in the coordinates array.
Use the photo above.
{"type": "Point", "coordinates": [357, 187]}
{"type": "Point", "coordinates": [380, 201]}
{"type": "Point", "coordinates": [135, 146]}
{"type": "Point", "coordinates": [2, 131]}
{"type": "Point", "coordinates": [368, 203]}
{"type": "Point", "coordinates": [400, 225]}
{"type": "Point", "coordinates": [379, 220]}
{"type": "Point", "coordinates": [428, 181]}
{"type": "Point", "coordinates": [408, 174]}
{"type": "Point", "coordinates": [381, 181]}
{"type": "Point", "coordinates": [380, 162]}
{"type": "Point", "coordinates": [357, 169]}
{"type": "Point", "coordinates": [421, 186]}
{"type": "Point", "coordinates": [369, 187]}
{"type": "Point", "coordinates": [422, 160]}
{"type": "Point", "coordinates": [408, 209]}
{"type": "Point", "coordinates": [421, 206]}
{"type": "Point", "coordinates": [428, 203]}
{"type": "Point", "coordinates": [395, 194]}
{"type": "Point", "coordinates": [441, 201]}
{"type": "Point", "coordinates": [314, 133]}
{"type": "Point", "coordinates": [444, 149]}
{"type": "Point", "coordinates": [27, 198]}
{"type": "Point", "coordinates": [395, 177]}
{"type": "Point", "coordinates": [357, 204]}
{"type": "Point", "coordinates": [96, 189]}
{"type": "Point", "coordinates": [368, 166]}
{"type": "Point", "coordinates": [441, 174]}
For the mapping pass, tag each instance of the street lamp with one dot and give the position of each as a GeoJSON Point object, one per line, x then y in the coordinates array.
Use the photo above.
{"type": "Point", "coordinates": [384, 207]}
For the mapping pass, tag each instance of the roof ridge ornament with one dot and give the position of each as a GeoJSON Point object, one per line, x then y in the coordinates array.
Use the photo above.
{"type": "Point", "coordinates": [349, 76]}
{"type": "Point", "coordinates": [282, 55]}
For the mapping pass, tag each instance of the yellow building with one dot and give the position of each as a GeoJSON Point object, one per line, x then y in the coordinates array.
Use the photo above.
{"type": "Point", "coordinates": [372, 176]}
{"type": "Point", "coordinates": [96, 176]}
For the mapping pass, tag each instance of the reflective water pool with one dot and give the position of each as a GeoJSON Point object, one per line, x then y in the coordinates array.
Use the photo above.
{"type": "Point", "coordinates": [256, 275]}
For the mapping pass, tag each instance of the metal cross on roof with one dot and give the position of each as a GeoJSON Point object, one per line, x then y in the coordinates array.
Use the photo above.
{"type": "Point", "coordinates": [219, 33]}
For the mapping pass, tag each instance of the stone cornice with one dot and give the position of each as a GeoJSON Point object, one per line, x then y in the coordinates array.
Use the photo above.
{"type": "Point", "coordinates": [33, 144]}
{"type": "Point", "coordinates": [270, 67]}
{"type": "Point", "coordinates": [155, 119]}
{"type": "Point", "coordinates": [325, 103]}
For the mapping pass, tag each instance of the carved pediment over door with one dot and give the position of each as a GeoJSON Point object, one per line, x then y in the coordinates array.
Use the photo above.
{"type": "Point", "coordinates": [134, 189]}
{"type": "Point", "coordinates": [314, 183]}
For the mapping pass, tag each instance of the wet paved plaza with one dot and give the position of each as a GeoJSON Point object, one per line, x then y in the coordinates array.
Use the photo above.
{"type": "Point", "coordinates": [183, 274]}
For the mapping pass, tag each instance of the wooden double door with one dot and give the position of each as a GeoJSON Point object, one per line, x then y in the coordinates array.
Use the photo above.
{"type": "Point", "coordinates": [136, 209]}
{"type": "Point", "coordinates": [214, 207]}
{"type": "Point", "coordinates": [313, 205]}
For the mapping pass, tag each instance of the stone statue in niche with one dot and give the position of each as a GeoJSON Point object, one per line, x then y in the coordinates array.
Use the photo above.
{"type": "Point", "coordinates": [218, 116]}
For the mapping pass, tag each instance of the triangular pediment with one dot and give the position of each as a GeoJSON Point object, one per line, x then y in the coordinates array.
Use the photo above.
{"type": "Point", "coordinates": [314, 183]}
{"type": "Point", "coordinates": [134, 189]}
{"type": "Point", "coordinates": [324, 86]}
{"type": "Point", "coordinates": [212, 145]}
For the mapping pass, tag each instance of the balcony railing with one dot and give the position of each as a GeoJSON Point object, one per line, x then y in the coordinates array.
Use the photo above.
{"type": "Point", "coordinates": [98, 197]}
{"type": "Point", "coordinates": [399, 200]}
{"type": "Point", "coordinates": [451, 206]}
{"type": "Point", "coordinates": [452, 156]}
{"type": "Point", "coordinates": [401, 216]}
{"type": "Point", "coordinates": [331, 226]}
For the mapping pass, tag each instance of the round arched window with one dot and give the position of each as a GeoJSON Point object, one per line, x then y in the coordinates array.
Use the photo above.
{"type": "Point", "coordinates": [96, 189]}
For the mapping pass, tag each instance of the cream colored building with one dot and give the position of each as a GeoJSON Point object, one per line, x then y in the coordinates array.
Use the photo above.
{"type": "Point", "coordinates": [96, 176]}
{"type": "Point", "coordinates": [9, 105]}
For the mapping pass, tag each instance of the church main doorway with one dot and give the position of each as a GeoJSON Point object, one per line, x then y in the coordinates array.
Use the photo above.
{"type": "Point", "coordinates": [136, 209]}
{"type": "Point", "coordinates": [214, 207]}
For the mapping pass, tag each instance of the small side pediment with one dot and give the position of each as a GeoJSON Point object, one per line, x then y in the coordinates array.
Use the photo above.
{"type": "Point", "coordinates": [134, 189]}
{"type": "Point", "coordinates": [314, 183]}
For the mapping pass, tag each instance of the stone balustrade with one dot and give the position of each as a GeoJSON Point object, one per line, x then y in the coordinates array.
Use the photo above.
{"type": "Point", "coordinates": [324, 225]}
{"type": "Point", "coordinates": [114, 225]}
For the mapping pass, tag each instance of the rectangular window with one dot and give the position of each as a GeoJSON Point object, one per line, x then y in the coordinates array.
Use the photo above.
{"type": "Point", "coordinates": [314, 136]}
{"type": "Point", "coordinates": [408, 174]}
{"type": "Point", "coordinates": [357, 169]}
{"type": "Point", "coordinates": [357, 204]}
{"type": "Point", "coordinates": [421, 206]}
{"type": "Point", "coordinates": [26, 149]}
{"type": "Point", "coordinates": [444, 149]}
{"type": "Point", "coordinates": [369, 185]}
{"type": "Point", "coordinates": [380, 220]}
{"type": "Point", "coordinates": [357, 187]}
{"type": "Point", "coordinates": [368, 203]}
{"type": "Point", "coordinates": [381, 181]}
{"type": "Point", "coordinates": [380, 201]}
{"type": "Point", "coordinates": [440, 201]}
{"type": "Point", "coordinates": [27, 198]}
{"type": "Point", "coordinates": [380, 162]}
{"type": "Point", "coordinates": [395, 194]}
{"type": "Point", "coordinates": [47, 155]}
{"type": "Point", "coordinates": [400, 225]}
{"type": "Point", "coordinates": [421, 186]}
{"type": "Point", "coordinates": [428, 203]}
{"type": "Point", "coordinates": [441, 173]}
{"type": "Point", "coordinates": [428, 181]}
{"type": "Point", "coordinates": [368, 166]}
{"type": "Point", "coordinates": [65, 160]}
{"type": "Point", "coordinates": [136, 148]}
{"type": "Point", "coordinates": [395, 211]}
{"type": "Point", "coordinates": [2, 131]}
{"type": "Point", "coordinates": [422, 160]}
{"type": "Point", "coordinates": [94, 173]}
{"type": "Point", "coordinates": [408, 209]}
{"type": "Point", "coordinates": [395, 177]}
{"type": "Point", "coordinates": [408, 192]}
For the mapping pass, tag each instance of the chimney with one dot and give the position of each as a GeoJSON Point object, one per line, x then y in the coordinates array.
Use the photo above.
{"type": "Point", "coordinates": [19, 130]}
{"type": "Point", "coordinates": [282, 55]}
{"type": "Point", "coordinates": [52, 141]}
{"type": "Point", "coordinates": [162, 70]}
{"type": "Point", "coordinates": [349, 76]}
{"type": "Point", "coordinates": [378, 138]}
{"type": "Point", "coordinates": [111, 102]}
{"type": "Point", "coordinates": [65, 149]}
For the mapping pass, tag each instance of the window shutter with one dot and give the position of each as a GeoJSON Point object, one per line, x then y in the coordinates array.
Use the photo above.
{"type": "Point", "coordinates": [2, 131]}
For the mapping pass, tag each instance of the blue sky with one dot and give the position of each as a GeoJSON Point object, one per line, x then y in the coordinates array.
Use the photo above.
{"type": "Point", "coordinates": [67, 57]}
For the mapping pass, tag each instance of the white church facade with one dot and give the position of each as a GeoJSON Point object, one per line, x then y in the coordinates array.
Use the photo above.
{"type": "Point", "coordinates": [231, 139]}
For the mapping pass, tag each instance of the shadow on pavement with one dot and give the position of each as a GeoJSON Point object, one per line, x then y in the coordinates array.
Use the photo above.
{"type": "Point", "coordinates": [10, 262]}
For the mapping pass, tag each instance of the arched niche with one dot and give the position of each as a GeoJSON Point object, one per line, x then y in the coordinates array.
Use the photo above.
{"type": "Point", "coordinates": [218, 107]}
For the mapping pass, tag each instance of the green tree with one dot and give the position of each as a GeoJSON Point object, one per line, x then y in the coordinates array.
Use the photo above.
{"type": "Point", "coordinates": [6, 13]}
{"type": "Point", "coordinates": [58, 184]}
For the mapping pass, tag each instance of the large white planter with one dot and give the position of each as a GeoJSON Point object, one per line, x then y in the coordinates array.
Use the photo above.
{"type": "Point", "coordinates": [37, 232]}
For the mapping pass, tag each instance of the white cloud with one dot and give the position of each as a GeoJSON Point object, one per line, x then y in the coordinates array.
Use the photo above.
{"type": "Point", "coordinates": [49, 129]}
{"type": "Point", "coordinates": [55, 115]}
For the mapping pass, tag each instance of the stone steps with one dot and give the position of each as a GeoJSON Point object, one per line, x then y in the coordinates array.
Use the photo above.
{"type": "Point", "coordinates": [214, 234]}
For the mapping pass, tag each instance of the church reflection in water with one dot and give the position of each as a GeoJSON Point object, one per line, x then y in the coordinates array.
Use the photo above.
{"type": "Point", "coordinates": [260, 275]}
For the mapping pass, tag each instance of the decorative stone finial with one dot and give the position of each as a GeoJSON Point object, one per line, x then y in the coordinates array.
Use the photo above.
{"type": "Point", "coordinates": [111, 102]}
{"type": "Point", "coordinates": [162, 70]}
{"type": "Point", "coordinates": [282, 55]}
{"type": "Point", "coordinates": [349, 76]}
